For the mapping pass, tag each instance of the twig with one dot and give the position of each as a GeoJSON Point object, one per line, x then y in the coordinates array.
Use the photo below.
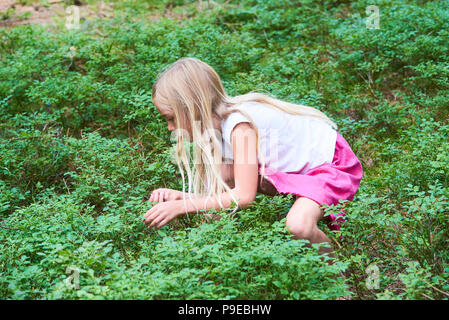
{"type": "Point", "coordinates": [369, 84]}
{"type": "Point", "coordinates": [66, 185]}
{"type": "Point", "coordinates": [425, 295]}
{"type": "Point", "coordinates": [338, 244]}
{"type": "Point", "coordinates": [440, 291]}
{"type": "Point", "coordinates": [99, 33]}
{"type": "Point", "coordinates": [266, 38]}
{"type": "Point", "coordinates": [31, 137]}
{"type": "Point", "coordinates": [218, 4]}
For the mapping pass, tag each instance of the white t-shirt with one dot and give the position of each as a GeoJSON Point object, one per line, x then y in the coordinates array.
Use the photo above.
{"type": "Point", "coordinates": [289, 142]}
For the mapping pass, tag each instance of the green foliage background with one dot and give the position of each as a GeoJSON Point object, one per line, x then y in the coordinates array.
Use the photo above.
{"type": "Point", "coordinates": [82, 147]}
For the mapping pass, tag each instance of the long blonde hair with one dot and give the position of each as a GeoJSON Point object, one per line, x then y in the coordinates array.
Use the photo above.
{"type": "Point", "coordinates": [194, 92]}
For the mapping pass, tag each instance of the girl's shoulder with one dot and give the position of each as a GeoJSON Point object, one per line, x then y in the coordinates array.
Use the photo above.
{"type": "Point", "coordinates": [260, 113]}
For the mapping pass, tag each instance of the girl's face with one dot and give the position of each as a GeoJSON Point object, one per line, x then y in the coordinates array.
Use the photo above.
{"type": "Point", "coordinates": [170, 118]}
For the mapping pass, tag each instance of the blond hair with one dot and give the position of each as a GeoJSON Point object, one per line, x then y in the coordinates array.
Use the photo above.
{"type": "Point", "coordinates": [194, 92]}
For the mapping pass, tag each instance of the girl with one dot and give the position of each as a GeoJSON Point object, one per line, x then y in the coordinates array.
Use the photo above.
{"type": "Point", "coordinates": [247, 144]}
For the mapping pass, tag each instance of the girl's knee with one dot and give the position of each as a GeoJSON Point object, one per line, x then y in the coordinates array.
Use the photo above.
{"type": "Point", "coordinates": [303, 217]}
{"type": "Point", "coordinates": [300, 231]}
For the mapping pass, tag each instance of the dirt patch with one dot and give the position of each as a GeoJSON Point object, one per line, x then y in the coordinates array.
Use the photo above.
{"type": "Point", "coordinates": [13, 13]}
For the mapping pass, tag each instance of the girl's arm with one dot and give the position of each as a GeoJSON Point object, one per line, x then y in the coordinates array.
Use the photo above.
{"type": "Point", "coordinates": [244, 141]}
{"type": "Point", "coordinates": [226, 174]}
{"type": "Point", "coordinates": [166, 194]}
{"type": "Point", "coordinates": [243, 138]}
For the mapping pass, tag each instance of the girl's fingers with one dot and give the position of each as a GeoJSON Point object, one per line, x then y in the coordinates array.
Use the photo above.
{"type": "Point", "coordinates": [156, 220]}
{"type": "Point", "coordinates": [149, 214]}
{"type": "Point", "coordinates": [154, 195]}
{"type": "Point", "coordinates": [151, 217]}
{"type": "Point", "coordinates": [145, 218]}
{"type": "Point", "coordinates": [163, 223]}
{"type": "Point", "coordinates": [161, 197]}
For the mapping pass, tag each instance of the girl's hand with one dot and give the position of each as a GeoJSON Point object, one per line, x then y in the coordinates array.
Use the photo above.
{"type": "Point", "coordinates": [164, 194]}
{"type": "Point", "coordinates": [161, 213]}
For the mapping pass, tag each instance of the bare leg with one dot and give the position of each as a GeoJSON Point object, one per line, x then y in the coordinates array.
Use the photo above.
{"type": "Point", "coordinates": [227, 173]}
{"type": "Point", "coordinates": [302, 222]}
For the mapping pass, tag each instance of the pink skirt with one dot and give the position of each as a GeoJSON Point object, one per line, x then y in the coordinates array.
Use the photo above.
{"type": "Point", "coordinates": [325, 184]}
